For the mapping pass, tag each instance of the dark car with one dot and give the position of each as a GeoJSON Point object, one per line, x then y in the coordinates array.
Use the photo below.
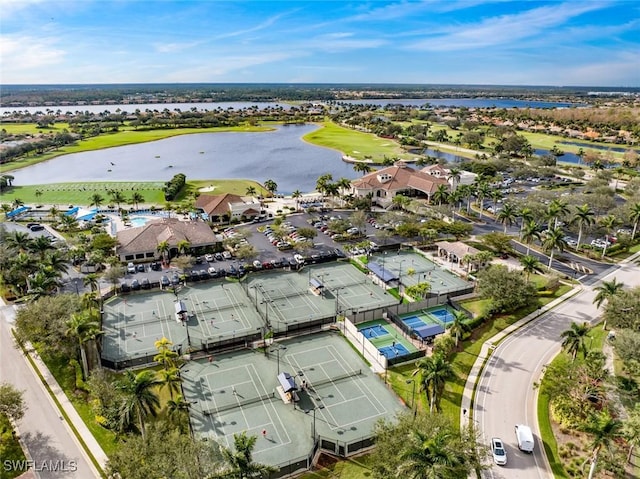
{"type": "Point", "coordinates": [135, 285]}
{"type": "Point", "coordinates": [175, 279]}
{"type": "Point", "coordinates": [219, 257]}
{"type": "Point", "coordinates": [125, 288]}
{"type": "Point", "coordinates": [140, 268]}
{"type": "Point", "coordinates": [222, 272]}
{"type": "Point", "coordinates": [145, 284]}
{"type": "Point", "coordinates": [241, 270]}
{"type": "Point", "coordinates": [164, 281]}
{"type": "Point", "coordinates": [155, 266]}
{"type": "Point", "coordinates": [36, 227]}
{"type": "Point", "coordinates": [232, 270]}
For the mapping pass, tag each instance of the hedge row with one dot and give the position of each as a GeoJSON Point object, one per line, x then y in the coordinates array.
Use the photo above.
{"type": "Point", "coordinates": [173, 187]}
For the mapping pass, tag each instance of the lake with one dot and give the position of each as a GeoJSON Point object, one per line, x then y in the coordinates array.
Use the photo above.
{"type": "Point", "coordinates": [466, 102]}
{"type": "Point", "coordinates": [280, 155]}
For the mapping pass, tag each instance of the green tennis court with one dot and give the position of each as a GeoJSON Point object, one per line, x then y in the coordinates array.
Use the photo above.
{"type": "Point", "coordinates": [340, 399]}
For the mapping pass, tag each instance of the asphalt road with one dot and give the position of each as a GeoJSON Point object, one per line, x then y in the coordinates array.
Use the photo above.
{"type": "Point", "coordinates": [505, 395]}
{"type": "Point", "coordinates": [48, 438]}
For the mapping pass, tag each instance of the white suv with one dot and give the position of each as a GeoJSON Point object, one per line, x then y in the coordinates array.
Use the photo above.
{"type": "Point", "coordinates": [131, 268]}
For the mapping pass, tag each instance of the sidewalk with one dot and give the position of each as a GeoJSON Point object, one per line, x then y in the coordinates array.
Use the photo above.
{"type": "Point", "coordinates": [81, 433]}
{"type": "Point", "coordinates": [489, 346]}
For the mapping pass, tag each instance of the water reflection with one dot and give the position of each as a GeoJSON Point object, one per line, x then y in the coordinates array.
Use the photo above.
{"type": "Point", "coordinates": [280, 155]}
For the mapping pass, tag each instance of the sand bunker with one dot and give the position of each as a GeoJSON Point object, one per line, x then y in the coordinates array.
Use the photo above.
{"type": "Point", "coordinates": [206, 189]}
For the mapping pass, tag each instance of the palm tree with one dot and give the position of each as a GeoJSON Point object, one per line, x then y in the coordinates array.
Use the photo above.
{"type": "Point", "coordinates": [555, 210]}
{"type": "Point", "coordinates": [605, 430]}
{"type": "Point", "coordinates": [459, 325]}
{"type": "Point", "coordinates": [466, 191]}
{"type": "Point", "coordinates": [140, 399]}
{"type": "Point", "coordinates": [454, 176]}
{"type": "Point", "coordinates": [584, 216]}
{"type": "Point", "coordinates": [96, 200]}
{"type": "Point", "coordinates": [6, 209]}
{"type": "Point", "coordinates": [117, 197]}
{"type": "Point", "coordinates": [507, 215]}
{"type": "Point", "coordinates": [170, 378]}
{"type": "Point", "coordinates": [606, 291]}
{"type": "Point", "coordinates": [496, 196]}
{"type": "Point", "coordinates": [483, 190]}
{"type": "Point", "coordinates": [136, 199]}
{"type": "Point", "coordinates": [554, 239]}
{"type": "Point", "coordinates": [84, 327]}
{"type": "Point", "coordinates": [18, 240]}
{"type": "Point", "coordinates": [178, 412]}
{"type": "Point", "coordinates": [441, 195]}
{"type": "Point", "coordinates": [166, 356]}
{"type": "Point", "coordinates": [251, 191]}
{"type": "Point", "coordinates": [362, 167]}
{"type": "Point", "coordinates": [530, 232]}
{"type": "Point", "coordinates": [271, 186]}
{"type": "Point", "coordinates": [296, 195]}
{"type": "Point", "coordinates": [163, 248]}
{"type": "Point", "coordinates": [608, 223]}
{"type": "Point", "coordinates": [241, 461]}
{"type": "Point", "coordinates": [41, 283]}
{"type": "Point", "coordinates": [434, 371]}
{"type": "Point", "coordinates": [431, 456]}
{"type": "Point", "coordinates": [635, 217]}
{"type": "Point", "coordinates": [574, 339]}
{"type": "Point", "coordinates": [183, 246]}
{"type": "Point", "coordinates": [91, 280]}
{"type": "Point", "coordinates": [530, 264]}
{"type": "Point", "coordinates": [525, 215]}
{"type": "Point", "coordinates": [631, 430]}
{"type": "Point", "coordinates": [40, 245]}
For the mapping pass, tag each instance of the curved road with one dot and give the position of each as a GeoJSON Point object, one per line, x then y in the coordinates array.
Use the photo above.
{"type": "Point", "coordinates": [505, 395]}
{"type": "Point", "coordinates": [48, 439]}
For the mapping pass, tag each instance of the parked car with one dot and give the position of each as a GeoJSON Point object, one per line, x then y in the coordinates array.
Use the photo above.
{"type": "Point", "coordinates": [145, 283]}
{"type": "Point", "coordinates": [140, 268]}
{"type": "Point", "coordinates": [125, 288]}
{"type": "Point", "coordinates": [257, 264]}
{"type": "Point", "coordinates": [209, 257]}
{"type": "Point", "coordinates": [164, 280]}
{"type": "Point", "coordinates": [498, 451]}
{"type": "Point", "coordinates": [175, 279]}
{"type": "Point", "coordinates": [135, 285]}
{"type": "Point", "coordinates": [212, 271]}
{"type": "Point", "coordinates": [131, 268]}
{"type": "Point", "coordinates": [218, 257]}
{"type": "Point", "coordinates": [226, 255]}
{"type": "Point", "coordinates": [36, 227]}
{"type": "Point", "coordinates": [156, 266]}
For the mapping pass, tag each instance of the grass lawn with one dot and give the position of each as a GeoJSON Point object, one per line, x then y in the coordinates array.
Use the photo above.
{"type": "Point", "coordinates": [597, 335]}
{"type": "Point", "coordinates": [64, 194]}
{"type": "Point", "coordinates": [121, 138]}
{"type": "Point", "coordinates": [356, 143]}
{"type": "Point", "coordinates": [32, 128]}
{"type": "Point", "coordinates": [353, 468]}
{"type": "Point", "coordinates": [10, 449]}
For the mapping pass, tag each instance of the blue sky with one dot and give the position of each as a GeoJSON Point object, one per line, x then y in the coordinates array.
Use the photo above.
{"type": "Point", "coordinates": [591, 43]}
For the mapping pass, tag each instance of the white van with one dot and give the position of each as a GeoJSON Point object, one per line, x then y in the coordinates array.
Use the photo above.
{"type": "Point", "coordinates": [525, 438]}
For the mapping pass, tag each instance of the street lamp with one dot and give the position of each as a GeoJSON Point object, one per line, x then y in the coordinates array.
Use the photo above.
{"type": "Point", "coordinates": [277, 350]}
{"type": "Point", "coordinates": [400, 275]}
{"type": "Point", "coordinates": [413, 395]}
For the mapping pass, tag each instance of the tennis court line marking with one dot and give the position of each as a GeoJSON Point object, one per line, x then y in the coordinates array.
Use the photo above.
{"type": "Point", "coordinates": [284, 429]}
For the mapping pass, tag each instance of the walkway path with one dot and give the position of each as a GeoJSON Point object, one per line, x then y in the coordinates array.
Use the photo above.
{"type": "Point", "coordinates": [44, 431]}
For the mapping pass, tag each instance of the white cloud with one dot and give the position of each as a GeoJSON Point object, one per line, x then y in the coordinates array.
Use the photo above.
{"type": "Point", "coordinates": [11, 7]}
{"type": "Point", "coordinates": [175, 47]}
{"type": "Point", "coordinates": [24, 55]}
{"type": "Point", "coordinates": [505, 29]}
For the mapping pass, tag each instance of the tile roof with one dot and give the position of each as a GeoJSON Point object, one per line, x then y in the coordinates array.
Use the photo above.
{"type": "Point", "coordinates": [172, 230]}
{"type": "Point", "coordinates": [217, 205]}
{"type": "Point", "coordinates": [402, 177]}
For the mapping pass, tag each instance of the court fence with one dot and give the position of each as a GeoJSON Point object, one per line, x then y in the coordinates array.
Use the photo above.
{"type": "Point", "coordinates": [363, 345]}
{"type": "Point", "coordinates": [322, 445]}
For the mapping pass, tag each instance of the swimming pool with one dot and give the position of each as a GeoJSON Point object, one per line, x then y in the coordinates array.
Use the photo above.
{"type": "Point", "coordinates": [138, 221]}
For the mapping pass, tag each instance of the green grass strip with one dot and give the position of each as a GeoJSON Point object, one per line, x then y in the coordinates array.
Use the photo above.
{"type": "Point", "coordinates": [61, 409]}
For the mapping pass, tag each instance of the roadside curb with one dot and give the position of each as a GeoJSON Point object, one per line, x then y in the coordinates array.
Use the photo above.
{"type": "Point", "coordinates": [97, 458]}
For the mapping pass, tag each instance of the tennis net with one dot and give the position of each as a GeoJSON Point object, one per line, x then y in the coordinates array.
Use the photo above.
{"type": "Point", "coordinates": [238, 403]}
{"type": "Point", "coordinates": [321, 382]}
{"type": "Point", "coordinates": [290, 294]}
